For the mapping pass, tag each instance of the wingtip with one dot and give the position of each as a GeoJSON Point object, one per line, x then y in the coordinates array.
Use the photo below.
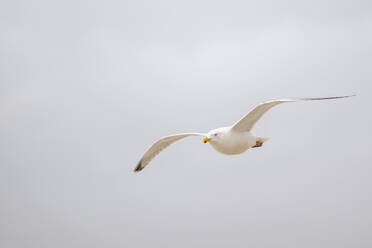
{"type": "Point", "coordinates": [347, 96]}
{"type": "Point", "coordinates": [326, 98]}
{"type": "Point", "coordinates": [138, 167]}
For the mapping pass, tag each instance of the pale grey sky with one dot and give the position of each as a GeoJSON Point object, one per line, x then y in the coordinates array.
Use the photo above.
{"type": "Point", "coordinates": [87, 86]}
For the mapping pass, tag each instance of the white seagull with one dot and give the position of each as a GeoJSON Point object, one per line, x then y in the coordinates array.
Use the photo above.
{"type": "Point", "coordinates": [230, 140]}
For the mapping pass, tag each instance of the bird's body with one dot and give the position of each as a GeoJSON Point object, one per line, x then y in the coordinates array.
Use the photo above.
{"type": "Point", "coordinates": [227, 141]}
{"type": "Point", "coordinates": [230, 140]}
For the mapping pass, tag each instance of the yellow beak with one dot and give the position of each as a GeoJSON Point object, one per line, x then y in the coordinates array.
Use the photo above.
{"type": "Point", "coordinates": [206, 139]}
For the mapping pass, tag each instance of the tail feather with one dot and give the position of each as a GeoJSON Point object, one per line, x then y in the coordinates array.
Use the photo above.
{"type": "Point", "coordinates": [262, 139]}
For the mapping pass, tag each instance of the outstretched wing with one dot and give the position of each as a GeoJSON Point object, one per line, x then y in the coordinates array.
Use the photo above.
{"type": "Point", "coordinates": [160, 145]}
{"type": "Point", "coordinates": [248, 121]}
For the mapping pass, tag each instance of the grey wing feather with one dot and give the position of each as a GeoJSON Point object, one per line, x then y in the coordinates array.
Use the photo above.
{"type": "Point", "coordinates": [249, 120]}
{"type": "Point", "coordinates": [159, 146]}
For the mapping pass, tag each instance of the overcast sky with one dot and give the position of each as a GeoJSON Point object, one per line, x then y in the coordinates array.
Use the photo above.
{"type": "Point", "coordinates": [87, 86]}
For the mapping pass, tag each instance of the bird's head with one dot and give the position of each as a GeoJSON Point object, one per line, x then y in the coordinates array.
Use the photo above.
{"type": "Point", "coordinates": [214, 135]}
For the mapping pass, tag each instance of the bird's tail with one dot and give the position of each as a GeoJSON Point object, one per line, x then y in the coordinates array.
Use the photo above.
{"type": "Point", "coordinates": [262, 139]}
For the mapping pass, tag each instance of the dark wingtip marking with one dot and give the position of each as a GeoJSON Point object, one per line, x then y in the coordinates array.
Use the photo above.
{"type": "Point", "coordinates": [326, 98]}
{"type": "Point", "coordinates": [138, 167]}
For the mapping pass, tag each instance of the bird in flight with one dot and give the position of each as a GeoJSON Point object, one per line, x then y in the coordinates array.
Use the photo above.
{"type": "Point", "coordinates": [230, 140]}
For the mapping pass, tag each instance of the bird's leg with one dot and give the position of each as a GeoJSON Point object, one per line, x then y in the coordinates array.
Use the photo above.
{"type": "Point", "coordinates": [258, 144]}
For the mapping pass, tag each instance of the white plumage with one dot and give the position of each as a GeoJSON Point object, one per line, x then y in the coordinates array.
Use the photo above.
{"type": "Point", "coordinates": [230, 140]}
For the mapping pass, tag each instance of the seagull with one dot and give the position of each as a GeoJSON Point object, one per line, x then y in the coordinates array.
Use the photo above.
{"type": "Point", "coordinates": [230, 140]}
